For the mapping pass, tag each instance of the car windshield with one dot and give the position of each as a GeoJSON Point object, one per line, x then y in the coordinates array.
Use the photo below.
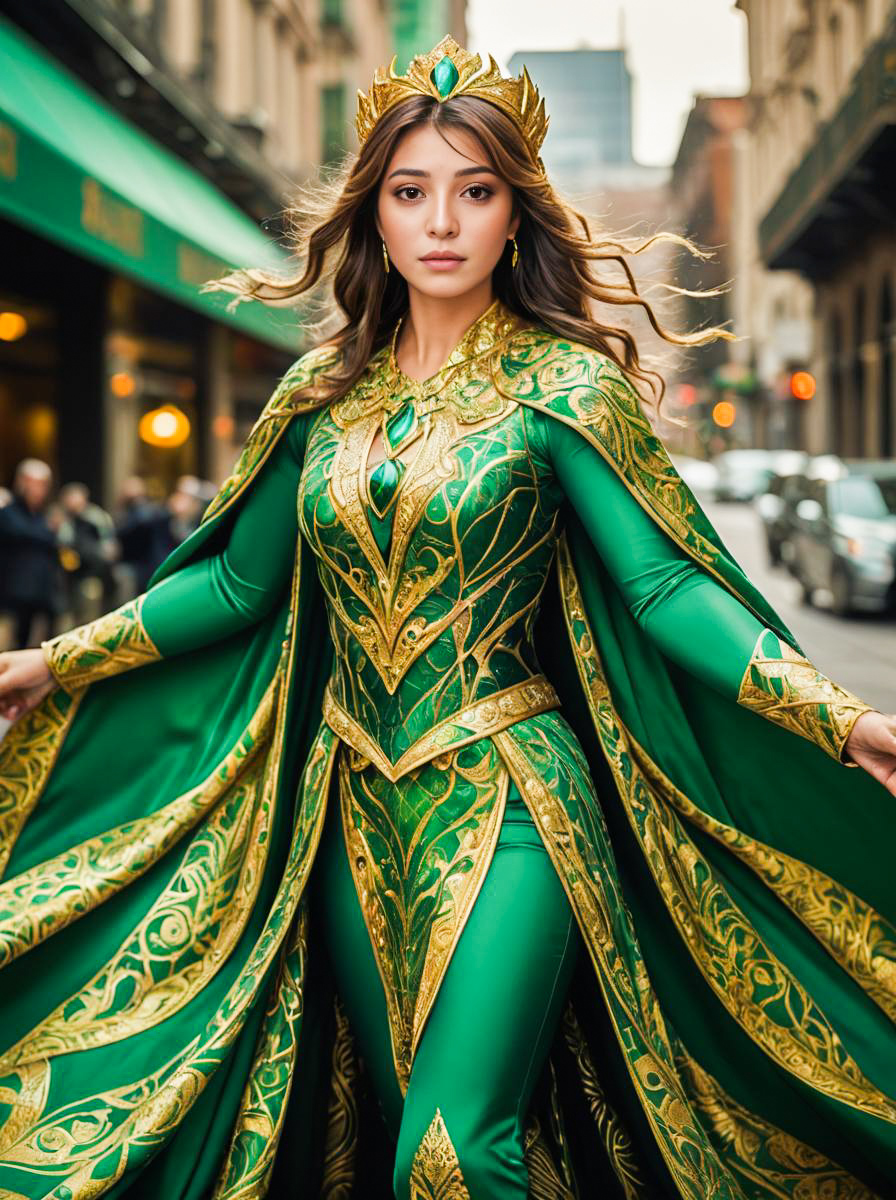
{"type": "Point", "coordinates": [858, 496]}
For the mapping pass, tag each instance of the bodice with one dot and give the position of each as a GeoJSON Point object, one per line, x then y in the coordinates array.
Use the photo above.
{"type": "Point", "coordinates": [431, 616]}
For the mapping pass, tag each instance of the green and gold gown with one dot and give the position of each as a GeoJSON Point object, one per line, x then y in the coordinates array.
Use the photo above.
{"type": "Point", "coordinates": [517, 639]}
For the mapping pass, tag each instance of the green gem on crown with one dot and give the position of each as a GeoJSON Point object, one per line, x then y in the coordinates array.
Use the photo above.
{"type": "Point", "coordinates": [445, 76]}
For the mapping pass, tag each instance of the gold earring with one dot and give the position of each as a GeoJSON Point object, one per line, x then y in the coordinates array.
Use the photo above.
{"type": "Point", "coordinates": [385, 256]}
{"type": "Point", "coordinates": [515, 257]}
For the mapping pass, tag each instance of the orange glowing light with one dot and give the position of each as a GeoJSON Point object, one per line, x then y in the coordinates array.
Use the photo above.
{"type": "Point", "coordinates": [166, 426]}
{"type": "Point", "coordinates": [12, 326]}
{"type": "Point", "coordinates": [122, 384]}
{"type": "Point", "coordinates": [223, 426]}
{"type": "Point", "coordinates": [802, 385]}
{"type": "Point", "coordinates": [723, 413]}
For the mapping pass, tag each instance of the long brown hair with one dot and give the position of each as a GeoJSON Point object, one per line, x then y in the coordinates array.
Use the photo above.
{"type": "Point", "coordinates": [558, 283]}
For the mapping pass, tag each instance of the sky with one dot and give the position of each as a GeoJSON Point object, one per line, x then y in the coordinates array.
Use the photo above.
{"type": "Point", "coordinates": [676, 48]}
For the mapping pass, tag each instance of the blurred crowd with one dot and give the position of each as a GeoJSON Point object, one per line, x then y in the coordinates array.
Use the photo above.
{"type": "Point", "coordinates": [65, 560]}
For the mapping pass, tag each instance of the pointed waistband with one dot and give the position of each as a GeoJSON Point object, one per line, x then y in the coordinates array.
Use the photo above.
{"type": "Point", "coordinates": [477, 720]}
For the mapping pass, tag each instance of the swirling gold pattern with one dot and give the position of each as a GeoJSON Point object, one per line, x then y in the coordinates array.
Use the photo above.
{"type": "Point", "coordinates": [39, 902]}
{"type": "Point", "coordinates": [27, 754]}
{"type": "Point", "coordinates": [114, 642]}
{"type": "Point", "coordinates": [435, 1171]}
{"type": "Point", "coordinates": [247, 1168]}
{"type": "Point", "coordinates": [544, 1179]}
{"type": "Point", "coordinates": [855, 935]}
{"type": "Point", "coordinates": [419, 850]}
{"type": "Point", "coordinates": [85, 1147]}
{"type": "Point", "coordinates": [617, 1143]}
{"type": "Point", "coordinates": [341, 1145]}
{"type": "Point", "coordinates": [781, 685]}
{"type": "Point", "coordinates": [772, 1163]}
{"type": "Point", "coordinates": [547, 764]}
{"type": "Point", "coordinates": [760, 993]}
{"type": "Point", "coordinates": [482, 718]}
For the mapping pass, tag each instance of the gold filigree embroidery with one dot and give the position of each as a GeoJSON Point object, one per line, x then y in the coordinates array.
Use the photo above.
{"type": "Point", "coordinates": [418, 859]}
{"type": "Point", "coordinates": [27, 754]}
{"type": "Point", "coordinates": [480, 719]}
{"type": "Point", "coordinates": [113, 643]}
{"type": "Point", "coordinates": [754, 986]}
{"type": "Point", "coordinates": [782, 685]}
{"type": "Point", "coordinates": [341, 1145]}
{"type": "Point", "coordinates": [544, 1179]}
{"type": "Point", "coordinates": [782, 1166]}
{"type": "Point", "coordinates": [616, 1141]}
{"type": "Point", "coordinates": [435, 1172]}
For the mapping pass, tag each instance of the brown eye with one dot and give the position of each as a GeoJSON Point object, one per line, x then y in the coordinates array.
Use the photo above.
{"type": "Point", "coordinates": [478, 191]}
{"type": "Point", "coordinates": [408, 187]}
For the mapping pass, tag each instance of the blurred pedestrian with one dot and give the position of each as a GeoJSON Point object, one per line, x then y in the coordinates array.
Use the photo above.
{"type": "Point", "coordinates": [30, 576]}
{"type": "Point", "coordinates": [88, 549]}
{"type": "Point", "coordinates": [144, 537]}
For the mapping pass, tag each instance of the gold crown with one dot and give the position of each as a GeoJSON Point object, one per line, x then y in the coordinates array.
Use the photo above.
{"type": "Point", "coordinates": [449, 70]}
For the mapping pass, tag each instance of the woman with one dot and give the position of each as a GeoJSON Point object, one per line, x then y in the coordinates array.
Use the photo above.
{"type": "Point", "coordinates": [451, 817]}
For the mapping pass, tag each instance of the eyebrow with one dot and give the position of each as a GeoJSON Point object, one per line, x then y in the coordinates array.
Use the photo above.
{"type": "Point", "coordinates": [425, 174]}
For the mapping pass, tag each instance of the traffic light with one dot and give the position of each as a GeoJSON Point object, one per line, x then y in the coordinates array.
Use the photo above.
{"type": "Point", "coordinates": [802, 385]}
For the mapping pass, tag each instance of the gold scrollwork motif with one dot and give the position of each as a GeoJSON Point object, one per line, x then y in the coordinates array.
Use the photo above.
{"type": "Point", "coordinates": [544, 1179]}
{"type": "Point", "coordinates": [616, 1141]}
{"type": "Point", "coordinates": [782, 685]}
{"type": "Point", "coordinates": [341, 1144]}
{"type": "Point", "coordinates": [113, 643]}
{"type": "Point", "coordinates": [755, 987]}
{"type": "Point", "coordinates": [27, 754]}
{"type": "Point", "coordinates": [766, 1157]}
{"type": "Point", "coordinates": [246, 1172]}
{"type": "Point", "coordinates": [419, 851]}
{"type": "Point", "coordinates": [482, 718]}
{"type": "Point", "coordinates": [435, 1171]}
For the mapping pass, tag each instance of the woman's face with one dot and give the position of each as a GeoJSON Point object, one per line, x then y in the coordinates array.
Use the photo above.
{"type": "Point", "coordinates": [439, 200]}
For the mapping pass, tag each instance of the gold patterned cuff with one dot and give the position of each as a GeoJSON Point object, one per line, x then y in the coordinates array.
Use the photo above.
{"type": "Point", "coordinates": [111, 644]}
{"type": "Point", "coordinates": [782, 685]}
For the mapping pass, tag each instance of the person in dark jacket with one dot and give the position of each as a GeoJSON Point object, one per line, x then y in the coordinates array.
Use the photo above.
{"type": "Point", "coordinates": [29, 557]}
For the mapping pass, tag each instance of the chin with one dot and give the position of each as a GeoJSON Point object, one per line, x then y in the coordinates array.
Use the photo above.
{"type": "Point", "coordinates": [448, 286]}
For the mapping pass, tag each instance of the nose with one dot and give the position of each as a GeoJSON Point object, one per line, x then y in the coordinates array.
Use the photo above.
{"type": "Point", "coordinates": [442, 222]}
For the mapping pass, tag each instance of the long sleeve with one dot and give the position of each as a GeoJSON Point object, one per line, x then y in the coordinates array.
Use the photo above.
{"type": "Point", "coordinates": [693, 618]}
{"type": "Point", "coordinates": [205, 600]}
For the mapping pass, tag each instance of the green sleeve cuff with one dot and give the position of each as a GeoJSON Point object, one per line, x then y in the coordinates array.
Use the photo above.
{"type": "Point", "coordinates": [114, 642]}
{"type": "Point", "coordinates": [783, 686]}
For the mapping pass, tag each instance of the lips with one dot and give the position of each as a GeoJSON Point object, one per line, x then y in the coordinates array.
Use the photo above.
{"type": "Point", "coordinates": [442, 256]}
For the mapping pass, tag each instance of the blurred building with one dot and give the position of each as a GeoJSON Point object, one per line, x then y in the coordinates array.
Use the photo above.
{"type": "Point", "coordinates": [822, 169]}
{"type": "Point", "coordinates": [147, 146]}
{"type": "Point", "coordinates": [418, 25]}
{"type": "Point", "coordinates": [717, 389]}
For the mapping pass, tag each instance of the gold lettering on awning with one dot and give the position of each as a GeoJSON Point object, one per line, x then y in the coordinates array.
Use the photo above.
{"type": "Point", "coordinates": [9, 151]}
{"type": "Point", "coordinates": [111, 219]}
{"type": "Point", "coordinates": [195, 266]}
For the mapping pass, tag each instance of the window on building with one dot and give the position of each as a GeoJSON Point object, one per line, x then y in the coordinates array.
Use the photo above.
{"type": "Point", "coordinates": [332, 110]}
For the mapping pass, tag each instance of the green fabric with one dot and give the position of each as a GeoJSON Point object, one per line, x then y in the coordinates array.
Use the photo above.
{"type": "Point", "coordinates": [695, 965]}
{"type": "Point", "coordinates": [76, 171]}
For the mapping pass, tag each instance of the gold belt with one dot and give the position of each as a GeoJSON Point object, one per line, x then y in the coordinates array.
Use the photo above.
{"type": "Point", "coordinates": [483, 717]}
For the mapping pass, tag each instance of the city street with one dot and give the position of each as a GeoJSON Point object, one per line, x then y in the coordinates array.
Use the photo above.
{"type": "Point", "coordinates": [859, 652]}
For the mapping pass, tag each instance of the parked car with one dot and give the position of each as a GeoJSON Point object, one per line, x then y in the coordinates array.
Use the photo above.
{"type": "Point", "coordinates": [775, 505]}
{"type": "Point", "coordinates": [843, 537]}
{"type": "Point", "coordinates": [743, 474]}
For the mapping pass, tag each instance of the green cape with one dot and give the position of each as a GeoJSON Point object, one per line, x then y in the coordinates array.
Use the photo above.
{"type": "Point", "coordinates": [729, 1033]}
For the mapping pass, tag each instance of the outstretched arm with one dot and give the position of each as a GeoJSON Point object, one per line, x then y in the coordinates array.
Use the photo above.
{"type": "Point", "coordinates": [692, 617]}
{"type": "Point", "coordinates": [200, 603]}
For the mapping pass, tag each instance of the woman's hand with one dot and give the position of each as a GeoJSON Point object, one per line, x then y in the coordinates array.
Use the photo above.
{"type": "Point", "coordinates": [25, 679]}
{"type": "Point", "coordinates": [872, 744]}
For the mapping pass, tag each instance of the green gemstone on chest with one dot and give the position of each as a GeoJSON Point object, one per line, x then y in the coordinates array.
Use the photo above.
{"type": "Point", "coordinates": [444, 75]}
{"type": "Point", "coordinates": [399, 427]}
{"type": "Point", "coordinates": [384, 481]}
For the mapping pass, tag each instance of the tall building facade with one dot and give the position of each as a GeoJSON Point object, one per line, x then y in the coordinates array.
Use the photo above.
{"type": "Point", "coordinates": [822, 168]}
{"type": "Point", "coordinates": [145, 147]}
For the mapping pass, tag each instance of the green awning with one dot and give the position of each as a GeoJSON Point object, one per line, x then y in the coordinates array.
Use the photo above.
{"type": "Point", "coordinates": [74, 170]}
